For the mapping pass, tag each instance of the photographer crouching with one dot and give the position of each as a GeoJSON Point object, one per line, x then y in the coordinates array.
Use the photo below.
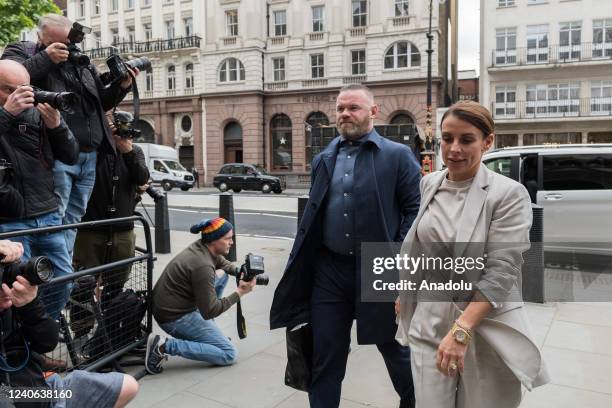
{"type": "Point", "coordinates": [119, 173]}
{"type": "Point", "coordinates": [187, 297]}
{"type": "Point", "coordinates": [26, 330]}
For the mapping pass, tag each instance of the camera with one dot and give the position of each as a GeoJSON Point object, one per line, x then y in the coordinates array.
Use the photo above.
{"type": "Point", "coordinates": [253, 267]}
{"type": "Point", "coordinates": [122, 121]}
{"type": "Point", "coordinates": [37, 271]}
{"type": "Point", "coordinates": [118, 69]}
{"type": "Point", "coordinates": [75, 36]}
{"type": "Point", "coordinates": [64, 101]}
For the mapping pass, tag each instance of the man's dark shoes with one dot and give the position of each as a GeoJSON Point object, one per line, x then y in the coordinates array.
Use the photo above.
{"type": "Point", "coordinates": [154, 357]}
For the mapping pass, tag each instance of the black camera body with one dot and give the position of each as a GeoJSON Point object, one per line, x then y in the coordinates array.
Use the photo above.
{"type": "Point", "coordinates": [37, 270]}
{"type": "Point", "coordinates": [76, 36]}
{"type": "Point", "coordinates": [155, 194]}
{"type": "Point", "coordinates": [64, 101]}
{"type": "Point", "coordinates": [254, 268]}
{"type": "Point", "coordinates": [118, 69]}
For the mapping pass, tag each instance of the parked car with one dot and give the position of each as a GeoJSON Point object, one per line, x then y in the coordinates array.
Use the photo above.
{"type": "Point", "coordinates": [573, 184]}
{"type": "Point", "coordinates": [240, 176]}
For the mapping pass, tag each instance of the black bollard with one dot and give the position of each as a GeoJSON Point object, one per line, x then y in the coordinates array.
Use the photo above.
{"type": "Point", "coordinates": [533, 259]}
{"type": "Point", "coordinates": [226, 210]}
{"type": "Point", "coordinates": [162, 226]}
{"type": "Point", "coordinates": [302, 200]}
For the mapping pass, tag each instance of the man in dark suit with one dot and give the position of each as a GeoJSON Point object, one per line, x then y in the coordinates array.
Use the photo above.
{"type": "Point", "coordinates": [364, 188]}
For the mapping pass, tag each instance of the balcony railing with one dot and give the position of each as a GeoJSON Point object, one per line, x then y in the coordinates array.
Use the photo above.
{"type": "Point", "coordinates": [141, 47]}
{"type": "Point", "coordinates": [318, 36]}
{"type": "Point", "coordinates": [314, 83]}
{"type": "Point", "coordinates": [554, 54]}
{"type": "Point", "coordinates": [275, 86]}
{"type": "Point", "coordinates": [401, 21]}
{"type": "Point", "coordinates": [357, 31]}
{"type": "Point", "coordinates": [354, 79]}
{"type": "Point", "coordinates": [229, 40]}
{"type": "Point", "coordinates": [567, 108]}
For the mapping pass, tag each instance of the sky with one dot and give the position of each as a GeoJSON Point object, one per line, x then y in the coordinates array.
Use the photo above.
{"type": "Point", "coordinates": [469, 35]}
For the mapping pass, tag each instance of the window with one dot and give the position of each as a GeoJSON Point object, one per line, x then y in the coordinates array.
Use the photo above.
{"type": "Point", "coordinates": [129, 4]}
{"type": "Point", "coordinates": [601, 97]}
{"type": "Point", "coordinates": [188, 24]}
{"type": "Point", "coordinates": [171, 77]}
{"type": "Point", "coordinates": [577, 172]}
{"type": "Point", "coordinates": [170, 29]}
{"type": "Point", "coordinates": [189, 83]}
{"type": "Point", "coordinates": [97, 39]}
{"type": "Point", "coordinates": [318, 133]}
{"type": "Point", "coordinates": [553, 100]}
{"type": "Point", "coordinates": [114, 34]}
{"type": "Point", "coordinates": [402, 55]}
{"type": "Point", "coordinates": [146, 3]}
{"type": "Point", "coordinates": [281, 142]}
{"type": "Point", "coordinates": [505, 101]}
{"type": "Point", "coordinates": [231, 23]}
{"type": "Point", "coordinates": [529, 2]}
{"type": "Point", "coordinates": [505, 46]}
{"type": "Point", "coordinates": [317, 65]}
{"type": "Point", "coordinates": [279, 68]}
{"type": "Point", "coordinates": [159, 166]}
{"type": "Point", "coordinates": [501, 165]}
{"type": "Point", "coordinates": [569, 40]}
{"type": "Point", "coordinates": [358, 62]}
{"type": "Point", "coordinates": [186, 123]}
{"type": "Point", "coordinates": [505, 140]}
{"type": "Point", "coordinates": [505, 3]}
{"type": "Point", "coordinates": [602, 38]}
{"type": "Point", "coordinates": [114, 5]}
{"type": "Point", "coordinates": [148, 31]}
{"type": "Point", "coordinates": [131, 35]}
{"type": "Point", "coordinates": [149, 80]}
{"type": "Point", "coordinates": [168, 1]}
{"type": "Point", "coordinates": [280, 23]}
{"type": "Point", "coordinates": [231, 70]}
{"type": "Point", "coordinates": [318, 19]}
{"type": "Point", "coordinates": [96, 7]}
{"type": "Point", "coordinates": [81, 8]}
{"type": "Point", "coordinates": [537, 44]}
{"type": "Point", "coordinates": [360, 13]}
{"type": "Point", "coordinates": [530, 139]}
{"type": "Point", "coordinates": [401, 8]}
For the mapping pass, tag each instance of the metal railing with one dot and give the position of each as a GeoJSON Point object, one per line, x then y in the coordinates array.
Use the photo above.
{"type": "Point", "coordinates": [553, 54]}
{"type": "Point", "coordinates": [578, 107]}
{"type": "Point", "coordinates": [92, 334]}
{"type": "Point", "coordinates": [141, 47]}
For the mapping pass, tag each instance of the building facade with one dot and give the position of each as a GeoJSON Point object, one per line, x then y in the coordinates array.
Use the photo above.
{"type": "Point", "coordinates": [255, 81]}
{"type": "Point", "coordinates": [546, 70]}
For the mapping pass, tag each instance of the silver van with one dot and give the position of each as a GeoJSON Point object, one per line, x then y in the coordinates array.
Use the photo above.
{"type": "Point", "coordinates": [573, 183]}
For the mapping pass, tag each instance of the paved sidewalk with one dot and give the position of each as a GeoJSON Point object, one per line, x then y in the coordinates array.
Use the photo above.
{"type": "Point", "coordinates": [575, 340]}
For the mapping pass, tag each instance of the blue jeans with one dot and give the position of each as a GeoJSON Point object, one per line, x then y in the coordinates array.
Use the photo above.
{"type": "Point", "coordinates": [198, 339]}
{"type": "Point", "coordinates": [52, 246]}
{"type": "Point", "coordinates": [73, 187]}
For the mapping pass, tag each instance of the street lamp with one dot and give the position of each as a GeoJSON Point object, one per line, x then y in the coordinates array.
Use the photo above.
{"type": "Point", "coordinates": [428, 124]}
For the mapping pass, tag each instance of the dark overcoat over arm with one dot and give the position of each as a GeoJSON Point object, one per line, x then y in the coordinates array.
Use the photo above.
{"type": "Point", "coordinates": [386, 192]}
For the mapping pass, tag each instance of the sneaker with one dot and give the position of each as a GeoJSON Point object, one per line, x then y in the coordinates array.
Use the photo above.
{"type": "Point", "coordinates": [154, 358]}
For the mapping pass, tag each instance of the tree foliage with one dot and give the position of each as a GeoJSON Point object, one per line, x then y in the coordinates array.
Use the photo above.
{"type": "Point", "coordinates": [16, 15]}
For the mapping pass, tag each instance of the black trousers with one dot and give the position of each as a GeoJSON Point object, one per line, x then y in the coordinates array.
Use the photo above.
{"type": "Point", "coordinates": [332, 312]}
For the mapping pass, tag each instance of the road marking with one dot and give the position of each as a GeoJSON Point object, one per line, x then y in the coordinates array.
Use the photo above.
{"type": "Point", "coordinates": [240, 235]}
{"type": "Point", "coordinates": [235, 212]}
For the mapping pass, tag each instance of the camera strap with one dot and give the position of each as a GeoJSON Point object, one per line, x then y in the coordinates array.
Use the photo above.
{"type": "Point", "coordinates": [4, 364]}
{"type": "Point", "coordinates": [136, 99]}
{"type": "Point", "coordinates": [240, 322]}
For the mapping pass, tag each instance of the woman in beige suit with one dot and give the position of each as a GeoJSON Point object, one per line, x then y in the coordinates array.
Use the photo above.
{"type": "Point", "coordinates": [476, 350]}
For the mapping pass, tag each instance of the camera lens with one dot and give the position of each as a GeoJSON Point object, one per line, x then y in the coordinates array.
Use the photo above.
{"type": "Point", "coordinates": [142, 63]}
{"type": "Point", "coordinates": [38, 270]}
{"type": "Point", "coordinates": [262, 280]}
{"type": "Point", "coordinates": [64, 101]}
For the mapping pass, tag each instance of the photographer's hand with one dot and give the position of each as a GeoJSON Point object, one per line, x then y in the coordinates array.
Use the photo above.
{"type": "Point", "coordinates": [125, 84]}
{"type": "Point", "coordinates": [50, 116]}
{"type": "Point", "coordinates": [57, 52]}
{"type": "Point", "coordinates": [10, 251]}
{"type": "Point", "coordinates": [245, 287]}
{"type": "Point", "coordinates": [22, 293]}
{"type": "Point", "coordinates": [21, 99]}
{"type": "Point", "coordinates": [123, 145]}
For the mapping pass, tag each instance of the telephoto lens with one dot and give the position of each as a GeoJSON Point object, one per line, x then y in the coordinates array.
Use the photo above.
{"type": "Point", "coordinates": [142, 63]}
{"type": "Point", "coordinates": [37, 270]}
{"type": "Point", "coordinates": [64, 101]}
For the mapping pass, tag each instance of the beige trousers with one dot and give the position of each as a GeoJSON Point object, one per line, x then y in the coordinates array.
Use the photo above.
{"type": "Point", "coordinates": [486, 381]}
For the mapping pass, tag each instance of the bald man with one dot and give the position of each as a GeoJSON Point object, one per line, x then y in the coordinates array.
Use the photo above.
{"type": "Point", "coordinates": [51, 69]}
{"type": "Point", "coordinates": [32, 139]}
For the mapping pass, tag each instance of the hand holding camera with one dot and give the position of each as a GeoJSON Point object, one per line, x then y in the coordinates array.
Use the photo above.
{"type": "Point", "coordinates": [21, 99]}
{"type": "Point", "coordinates": [50, 116]}
{"type": "Point", "coordinates": [245, 287]}
{"type": "Point", "coordinates": [20, 294]}
{"type": "Point", "coordinates": [10, 251]}
{"type": "Point", "coordinates": [57, 52]}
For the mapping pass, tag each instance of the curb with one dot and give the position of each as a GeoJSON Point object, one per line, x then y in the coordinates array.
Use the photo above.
{"type": "Point", "coordinates": [236, 211]}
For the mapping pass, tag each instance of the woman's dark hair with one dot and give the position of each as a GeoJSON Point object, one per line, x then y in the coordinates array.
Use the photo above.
{"type": "Point", "coordinates": [474, 114]}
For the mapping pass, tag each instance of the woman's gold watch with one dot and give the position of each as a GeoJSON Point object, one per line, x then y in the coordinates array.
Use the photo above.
{"type": "Point", "coordinates": [461, 335]}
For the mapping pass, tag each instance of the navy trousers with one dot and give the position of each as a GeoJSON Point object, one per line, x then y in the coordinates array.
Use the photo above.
{"type": "Point", "coordinates": [332, 312]}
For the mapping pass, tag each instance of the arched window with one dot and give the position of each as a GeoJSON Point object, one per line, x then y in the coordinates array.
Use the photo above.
{"type": "Point", "coordinates": [314, 134]}
{"type": "Point", "coordinates": [281, 142]}
{"type": "Point", "coordinates": [149, 80]}
{"type": "Point", "coordinates": [189, 83]}
{"type": "Point", "coordinates": [231, 70]}
{"type": "Point", "coordinates": [171, 77]}
{"type": "Point", "coordinates": [402, 54]}
{"type": "Point", "coordinates": [402, 119]}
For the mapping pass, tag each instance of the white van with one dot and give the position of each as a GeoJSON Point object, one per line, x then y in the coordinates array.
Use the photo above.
{"type": "Point", "coordinates": [165, 168]}
{"type": "Point", "coordinates": [573, 184]}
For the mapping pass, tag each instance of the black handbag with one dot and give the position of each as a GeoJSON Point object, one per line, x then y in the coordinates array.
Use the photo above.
{"type": "Point", "coordinates": [298, 373]}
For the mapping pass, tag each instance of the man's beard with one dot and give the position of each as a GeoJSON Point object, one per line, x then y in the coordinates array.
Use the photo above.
{"type": "Point", "coordinates": [353, 129]}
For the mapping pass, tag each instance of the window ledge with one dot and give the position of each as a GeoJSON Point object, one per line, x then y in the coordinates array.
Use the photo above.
{"type": "Point", "coordinates": [402, 69]}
